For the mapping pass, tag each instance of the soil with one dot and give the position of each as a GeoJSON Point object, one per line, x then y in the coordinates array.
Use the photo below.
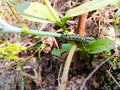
{"type": "Point", "coordinates": [42, 71]}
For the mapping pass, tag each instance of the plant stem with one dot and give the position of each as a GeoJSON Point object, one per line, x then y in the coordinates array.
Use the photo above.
{"type": "Point", "coordinates": [5, 27]}
{"type": "Point", "coordinates": [82, 22]}
{"type": "Point", "coordinates": [58, 22]}
{"type": "Point", "coordinates": [56, 17]}
{"type": "Point", "coordinates": [42, 33]}
{"type": "Point", "coordinates": [13, 12]}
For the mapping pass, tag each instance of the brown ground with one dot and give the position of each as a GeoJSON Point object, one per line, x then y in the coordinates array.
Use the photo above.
{"type": "Point", "coordinates": [42, 73]}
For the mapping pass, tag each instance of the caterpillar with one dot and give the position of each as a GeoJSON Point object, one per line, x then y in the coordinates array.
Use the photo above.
{"type": "Point", "coordinates": [76, 37]}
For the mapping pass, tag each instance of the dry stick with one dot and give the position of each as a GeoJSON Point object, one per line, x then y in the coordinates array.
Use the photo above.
{"type": "Point", "coordinates": [91, 74]}
{"type": "Point", "coordinates": [82, 22]}
{"type": "Point", "coordinates": [64, 77]}
{"type": "Point", "coordinates": [108, 71]}
{"type": "Point", "coordinates": [59, 74]}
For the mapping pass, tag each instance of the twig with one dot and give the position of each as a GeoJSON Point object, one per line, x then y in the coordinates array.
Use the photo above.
{"type": "Point", "coordinates": [59, 74]}
{"type": "Point", "coordinates": [108, 71]}
{"type": "Point", "coordinates": [64, 77]}
{"type": "Point", "coordinates": [82, 22]}
{"type": "Point", "coordinates": [91, 74]}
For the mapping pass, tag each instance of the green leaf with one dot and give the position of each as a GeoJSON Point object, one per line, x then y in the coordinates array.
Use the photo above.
{"type": "Point", "coordinates": [100, 45]}
{"type": "Point", "coordinates": [1, 28]}
{"type": "Point", "coordinates": [64, 20]}
{"type": "Point", "coordinates": [89, 6]}
{"type": "Point", "coordinates": [36, 12]}
{"type": "Point", "coordinates": [113, 64]}
{"type": "Point", "coordinates": [117, 14]}
{"type": "Point", "coordinates": [65, 47]}
{"type": "Point", "coordinates": [12, 57]}
{"type": "Point", "coordinates": [9, 50]}
{"type": "Point", "coordinates": [54, 14]}
{"type": "Point", "coordinates": [118, 4]}
{"type": "Point", "coordinates": [116, 18]}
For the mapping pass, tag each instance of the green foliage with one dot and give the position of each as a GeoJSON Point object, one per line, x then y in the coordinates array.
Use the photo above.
{"type": "Point", "coordinates": [89, 6]}
{"type": "Point", "coordinates": [65, 47]}
{"type": "Point", "coordinates": [10, 51]}
{"type": "Point", "coordinates": [1, 12]}
{"type": "Point", "coordinates": [106, 53]}
{"type": "Point", "coordinates": [100, 45]}
{"type": "Point", "coordinates": [113, 64]}
{"type": "Point", "coordinates": [116, 18]}
{"type": "Point", "coordinates": [118, 4]}
{"type": "Point", "coordinates": [54, 14]}
{"type": "Point", "coordinates": [37, 12]}
{"type": "Point", "coordinates": [1, 28]}
{"type": "Point", "coordinates": [94, 47]}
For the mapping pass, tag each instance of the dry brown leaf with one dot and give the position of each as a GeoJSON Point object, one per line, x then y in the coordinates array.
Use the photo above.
{"type": "Point", "coordinates": [95, 84]}
{"type": "Point", "coordinates": [50, 42]}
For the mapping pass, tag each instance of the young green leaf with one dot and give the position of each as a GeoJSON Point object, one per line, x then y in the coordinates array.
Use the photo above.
{"type": "Point", "coordinates": [36, 12]}
{"type": "Point", "coordinates": [100, 45]}
{"type": "Point", "coordinates": [89, 6]}
{"type": "Point", "coordinates": [65, 47]}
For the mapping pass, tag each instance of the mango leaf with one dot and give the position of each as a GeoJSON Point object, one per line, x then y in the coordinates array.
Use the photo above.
{"type": "Point", "coordinates": [65, 47]}
{"type": "Point", "coordinates": [36, 12]}
{"type": "Point", "coordinates": [100, 45]}
{"type": "Point", "coordinates": [89, 6]}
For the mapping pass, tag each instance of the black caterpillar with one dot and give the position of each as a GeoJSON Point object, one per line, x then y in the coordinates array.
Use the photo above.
{"type": "Point", "coordinates": [76, 37]}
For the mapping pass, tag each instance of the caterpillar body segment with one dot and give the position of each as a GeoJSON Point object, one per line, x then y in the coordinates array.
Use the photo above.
{"type": "Point", "coordinates": [76, 37]}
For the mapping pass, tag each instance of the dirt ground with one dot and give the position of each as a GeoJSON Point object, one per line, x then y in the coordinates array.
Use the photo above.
{"type": "Point", "coordinates": [43, 70]}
